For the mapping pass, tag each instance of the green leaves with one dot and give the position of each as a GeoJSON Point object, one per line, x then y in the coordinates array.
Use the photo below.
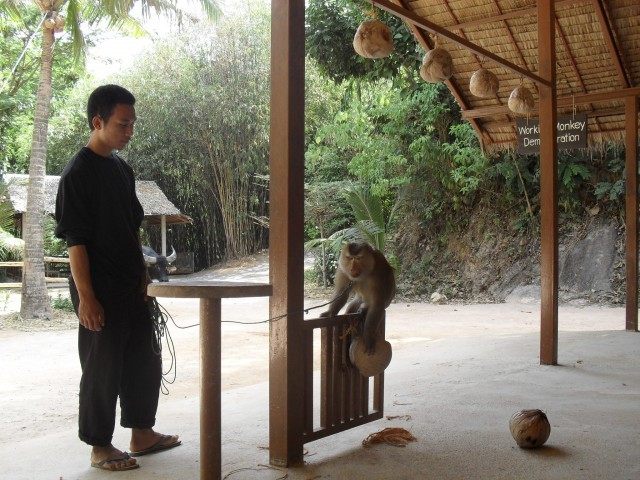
{"type": "Point", "coordinates": [367, 209]}
{"type": "Point", "coordinates": [204, 132]}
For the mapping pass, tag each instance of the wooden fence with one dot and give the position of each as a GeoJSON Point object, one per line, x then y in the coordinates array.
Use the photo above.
{"type": "Point", "coordinates": [51, 280]}
{"type": "Point", "coordinates": [345, 398]}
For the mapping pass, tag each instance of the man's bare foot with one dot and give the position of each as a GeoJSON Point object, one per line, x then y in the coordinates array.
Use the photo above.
{"type": "Point", "coordinates": [110, 458]}
{"type": "Point", "coordinates": [145, 441]}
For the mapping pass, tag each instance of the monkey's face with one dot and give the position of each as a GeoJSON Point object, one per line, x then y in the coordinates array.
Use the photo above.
{"type": "Point", "coordinates": [356, 260]}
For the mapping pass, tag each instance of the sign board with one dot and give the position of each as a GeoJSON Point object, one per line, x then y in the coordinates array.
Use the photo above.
{"type": "Point", "coordinates": [572, 133]}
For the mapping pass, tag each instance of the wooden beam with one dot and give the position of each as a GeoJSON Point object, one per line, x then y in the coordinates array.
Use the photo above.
{"type": "Point", "coordinates": [609, 40]}
{"type": "Point", "coordinates": [286, 235]}
{"type": "Point", "coordinates": [508, 16]}
{"type": "Point", "coordinates": [548, 186]}
{"type": "Point", "coordinates": [412, 18]}
{"type": "Point", "coordinates": [631, 144]}
{"type": "Point", "coordinates": [561, 102]}
{"type": "Point", "coordinates": [604, 112]}
{"type": "Point", "coordinates": [569, 54]}
{"type": "Point", "coordinates": [453, 87]}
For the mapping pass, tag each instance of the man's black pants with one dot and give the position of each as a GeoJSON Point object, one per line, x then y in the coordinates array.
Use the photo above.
{"type": "Point", "coordinates": [122, 360]}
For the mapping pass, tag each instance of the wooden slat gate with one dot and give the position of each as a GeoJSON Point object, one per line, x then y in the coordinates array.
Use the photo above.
{"type": "Point", "coordinates": [346, 399]}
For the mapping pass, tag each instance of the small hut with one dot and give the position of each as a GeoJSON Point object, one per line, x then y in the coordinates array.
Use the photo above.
{"type": "Point", "coordinates": [158, 210]}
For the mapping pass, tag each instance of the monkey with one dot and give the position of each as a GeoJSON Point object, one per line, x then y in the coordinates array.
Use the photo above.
{"type": "Point", "coordinates": [364, 272]}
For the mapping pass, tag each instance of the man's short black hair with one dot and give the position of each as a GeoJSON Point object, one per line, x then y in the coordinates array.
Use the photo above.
{"type": "Point", "coordinates": [103, 100]}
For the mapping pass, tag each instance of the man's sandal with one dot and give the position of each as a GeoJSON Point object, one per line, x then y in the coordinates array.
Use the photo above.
{"type": "Point", "coordinates": [114, 460]}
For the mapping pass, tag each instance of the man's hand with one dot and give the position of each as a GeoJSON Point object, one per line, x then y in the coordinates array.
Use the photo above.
{"type": "Point", "coordinates": [91, 314]}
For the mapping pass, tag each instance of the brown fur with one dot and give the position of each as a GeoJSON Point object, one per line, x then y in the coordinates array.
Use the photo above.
{"type": "Point", "coordinates": [364, 273]}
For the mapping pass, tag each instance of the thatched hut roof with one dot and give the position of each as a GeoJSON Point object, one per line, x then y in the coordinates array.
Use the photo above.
{"type": "Point", "coordinates": [153, 200]}
{"type": "Point", "coordinates": [597, 45]}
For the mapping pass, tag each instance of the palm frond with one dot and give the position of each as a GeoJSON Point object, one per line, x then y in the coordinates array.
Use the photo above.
{"type": "Point", "coordinates": [12, 8]}
{"type": "Point", "coordinates": [10, 245]}
{"type": "Point", "coordinates": [367, 208]}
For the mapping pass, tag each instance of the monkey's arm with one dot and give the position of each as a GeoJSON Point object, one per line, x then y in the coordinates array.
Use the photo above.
{"type": "Point", "coordinates": [341, 295]}
{"type": "Point", "coordinates": [372, 321]}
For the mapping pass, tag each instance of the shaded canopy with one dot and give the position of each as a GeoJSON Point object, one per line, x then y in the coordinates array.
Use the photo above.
{"type": "Point", "coordinates": [154, 202]}
{"type": "Point", "coordinates": [597, 58]}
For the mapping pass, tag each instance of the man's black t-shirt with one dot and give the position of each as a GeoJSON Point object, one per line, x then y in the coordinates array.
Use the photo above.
{"type": "Point", "coordinates": [97, 207]}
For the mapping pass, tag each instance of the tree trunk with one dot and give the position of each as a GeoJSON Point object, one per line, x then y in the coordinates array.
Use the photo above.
{"type": "Point", "coordinates": [35, 299]}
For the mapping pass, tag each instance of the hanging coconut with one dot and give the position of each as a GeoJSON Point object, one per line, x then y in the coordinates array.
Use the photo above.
{"type": "Point", "coordinates": [373, 39]}
{"type": "Point", "coordinates": [529, 428]}
{"type": "Point", "coordinates": [521, 101]}
{"type": "Point", "coordinates": [59, 24]}
{"type": "Point", "coordinates": [484, 83]}
{"type": "Point", "coordinates": [437, 66]}
{"type": "Point", "coordinates": [49, 24]}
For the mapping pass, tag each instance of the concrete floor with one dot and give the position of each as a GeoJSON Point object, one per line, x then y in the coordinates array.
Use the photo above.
{"type": "Point", "coordinates": [458, 373]}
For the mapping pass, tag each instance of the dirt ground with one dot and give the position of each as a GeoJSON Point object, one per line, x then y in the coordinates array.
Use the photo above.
{"type": "Point", "coordinates": [40, 374]}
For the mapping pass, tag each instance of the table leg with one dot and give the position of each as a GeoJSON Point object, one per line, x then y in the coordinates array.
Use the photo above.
{"type": "Point", "coordinates": [210, 417]}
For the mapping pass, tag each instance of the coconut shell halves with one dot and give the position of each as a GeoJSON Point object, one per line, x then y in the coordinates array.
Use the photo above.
{"type": "Point", "coordinates": [437, 66]}
{"type": "Point", "coordinates": [373, 39]}
{"type": "Point", "coordinates": [521, 101]}
{"type": "Point", "coordinates": [484, 84]}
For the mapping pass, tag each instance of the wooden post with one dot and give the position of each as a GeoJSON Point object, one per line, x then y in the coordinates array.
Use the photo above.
{"type": "Point", "coordinates": [631, 122]}
{"type": "Point", "coordinates": [163, 234]}
{"type": "Point", "coordinates": [210, 397]}
{"type": "Point", "coordinates": [548, 185]}
{"type": "Point", "coordinates": [286, 240]}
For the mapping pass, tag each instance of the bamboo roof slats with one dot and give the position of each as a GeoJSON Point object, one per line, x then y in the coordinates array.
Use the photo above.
{"type": "Point", "coordinates": [597, 52]}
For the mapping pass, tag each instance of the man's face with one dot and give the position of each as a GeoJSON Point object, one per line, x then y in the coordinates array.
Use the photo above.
{"type": "Point", "coordinates": [116, 132]}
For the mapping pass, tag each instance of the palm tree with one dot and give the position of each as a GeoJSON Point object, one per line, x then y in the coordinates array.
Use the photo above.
{"type": "Point", "coordinates": [55, 14]}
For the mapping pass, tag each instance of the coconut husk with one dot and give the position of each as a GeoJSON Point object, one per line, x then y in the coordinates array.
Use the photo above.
{"type": "Point", "coordinates": [398, 437]}
{"type": "Point", "coordinates": [370, 365]}
{"type": "Point", "coordinates": [521, 101]}
{"type": "Point", "coordinates": [373, 39]}
{"type": "Point", "coordinates": [437, 66]}
{"type": "Point", "coordinates": [484, 83]}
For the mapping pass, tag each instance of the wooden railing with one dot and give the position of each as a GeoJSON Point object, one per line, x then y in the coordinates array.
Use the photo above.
{"type": "Point", "coordinates": [346, 399]}
{"type": "Point", "coordinates": [49, 280]}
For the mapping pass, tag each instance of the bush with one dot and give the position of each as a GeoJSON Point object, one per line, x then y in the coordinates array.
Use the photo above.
{"type": "Point", "coordinates": [63, 304]}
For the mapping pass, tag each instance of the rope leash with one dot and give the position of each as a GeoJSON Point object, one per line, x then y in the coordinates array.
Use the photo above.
{"type": "Point", "coordinates": [160, 317]}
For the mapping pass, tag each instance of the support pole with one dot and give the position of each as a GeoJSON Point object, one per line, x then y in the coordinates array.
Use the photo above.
{"type": "Point", "coordinates": [548, 185]}
{"type": "Point", "coordinates": [631, 187]}
{"type": "Point", "coordinates": [286, 239]}
{"type": "Point", "coordinates": [163, 233]}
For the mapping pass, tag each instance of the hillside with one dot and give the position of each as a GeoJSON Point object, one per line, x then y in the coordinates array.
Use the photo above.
{"type": "Point", "coordinates": [487, 263]}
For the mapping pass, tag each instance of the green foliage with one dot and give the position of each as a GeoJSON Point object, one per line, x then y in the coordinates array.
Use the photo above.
{"type": "Point", "coordinates": [68, 128]}
{"type": "Point", "coordinates": [203, 132]}
{"type": "Point", "coordinates": [380, 138]}
{"type": "Point", "coordinates": [62, 303]}
{"type": "Point", "coordinates": [53, 246]}
{"type": "Point", "coordinates": [326, 211]}
{"type": "Point", "coordinates": [470, 166]}
{"type": "Point", "coordinates": [11, 247]}
{"type": "Point", "coordinates": [612, 192]}
{"type": "Point", "coordinates": [367, 208]}
{"type": "Point", "coordinates": [323, 98]}
{"type": "Point", "coordinates": [18, 89]}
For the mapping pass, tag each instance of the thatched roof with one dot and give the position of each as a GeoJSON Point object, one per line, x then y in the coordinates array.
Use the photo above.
{"type": "Point", "coordinates": [153, 200]}
{"type": "Point", "coordinates": [597, 45]}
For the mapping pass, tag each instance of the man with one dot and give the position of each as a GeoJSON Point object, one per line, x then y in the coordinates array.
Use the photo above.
{"type": "Point", "coordinates": [99, 216]}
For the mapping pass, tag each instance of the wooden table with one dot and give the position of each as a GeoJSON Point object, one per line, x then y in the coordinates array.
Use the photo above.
{"type": "Point", "coordinates": [210, 294]}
